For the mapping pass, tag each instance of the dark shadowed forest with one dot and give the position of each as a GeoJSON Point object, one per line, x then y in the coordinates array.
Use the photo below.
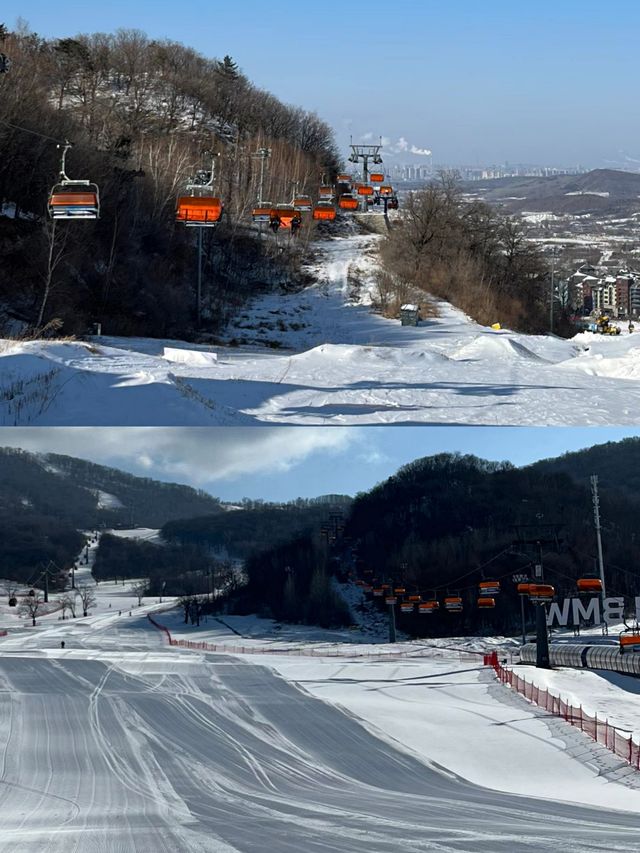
{"type": "Point", "coordinates": [144, 117]}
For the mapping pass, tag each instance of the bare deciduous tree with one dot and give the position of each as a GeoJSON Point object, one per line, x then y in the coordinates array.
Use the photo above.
{"type": "Point", "coordinates": [139, 589]}
{"type": "Point", "coordinates": [87, 598]}
{"type": "Point", "coordinates": [68, 603]}
{"type": "Point", "coordinates": [31, 605]}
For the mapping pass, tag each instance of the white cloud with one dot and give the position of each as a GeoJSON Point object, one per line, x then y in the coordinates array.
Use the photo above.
{"type": "Point", "coordinates": [190, 455]}
{"type": "Point", "coordinates": [423, 152]}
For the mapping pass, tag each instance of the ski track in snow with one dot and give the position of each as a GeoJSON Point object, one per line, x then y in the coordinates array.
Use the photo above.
{"type": "Point", "coordinates": [120, 743]}
{"type": "Point", "coordinates": [338, 363]}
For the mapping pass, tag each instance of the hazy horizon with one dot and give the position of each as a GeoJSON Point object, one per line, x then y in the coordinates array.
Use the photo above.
{"type": "Point", "coordinates": [544, 84]}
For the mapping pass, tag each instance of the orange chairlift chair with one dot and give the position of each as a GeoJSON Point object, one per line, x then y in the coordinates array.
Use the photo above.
{"type": "Point", "coordinates": [73, 199]}
{"type": "Point", "coordinates": [199, 207]}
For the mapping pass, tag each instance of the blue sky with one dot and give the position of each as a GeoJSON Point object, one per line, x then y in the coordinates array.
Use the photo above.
{"type": "Point", "coordinates": [550, 82]}
{"type": "Point", "coordinates": [282, 463]}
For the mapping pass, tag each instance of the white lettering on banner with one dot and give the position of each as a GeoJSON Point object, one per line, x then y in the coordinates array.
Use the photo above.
{"type": "Point", "coordinates": [573, 610]}
{"type": "Point", "coordinates": [613, 610]}
{"type": "Point", "coordinates": [591, 611]}
{"type": "Point", "coordinates": [561, 616]}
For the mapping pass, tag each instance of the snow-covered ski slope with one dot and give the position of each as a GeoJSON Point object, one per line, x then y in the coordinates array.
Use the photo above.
{"type": "Point", "coordinates": [119, 743]}
{"type": "Point", "coordinates": [321, 356]}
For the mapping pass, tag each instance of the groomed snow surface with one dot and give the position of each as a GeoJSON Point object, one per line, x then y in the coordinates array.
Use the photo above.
{"type": "Point", "coordinates": [119, 742]}
{"type": "Point", "coordinates": [322, 356]}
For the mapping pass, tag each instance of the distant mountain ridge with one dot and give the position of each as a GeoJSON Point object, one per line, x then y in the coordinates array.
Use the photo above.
{"type": "Point", "coordinates": [85, 494]}
{"type": "Point", "coordinates": [594, 191]}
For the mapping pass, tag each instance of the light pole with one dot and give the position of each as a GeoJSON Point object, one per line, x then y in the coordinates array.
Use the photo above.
{"type": "Point", "coordinates": [391, 601]}
{"type": "Point", "coordinates": [553, 270]}
{"type": "Point", "coordinates": [521, 578]}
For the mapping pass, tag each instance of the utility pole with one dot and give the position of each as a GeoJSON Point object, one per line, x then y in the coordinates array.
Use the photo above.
{"type": "Point", "coordinates": [596, 518]}
{"type": "Point", "coordinates": [553, 269]}
{"type": "Point", "coordinates": [263, 154]}
{"type": "Point", "coordinates": [199, 285]}
{"type": "Point", "coordinates": [521, 578]}
{"type": "Point", "coordinates": [391, 601]}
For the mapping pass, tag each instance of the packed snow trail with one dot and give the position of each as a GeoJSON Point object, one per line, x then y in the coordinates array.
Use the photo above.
{"type": "Point", "coordinates": [119, 743]}
{"type": "Point", "coordinates": [322, 356]}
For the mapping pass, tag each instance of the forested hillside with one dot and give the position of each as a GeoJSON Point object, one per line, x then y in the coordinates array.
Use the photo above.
{"type": "Point", "coordinates": [251, 530]}
{"type": "Point", "coordinates": [444, 523]}
{"type": "Point", "coordinates": [87, 495]}
{"type": "Point", "coordinates": [469, 254]}
{"type": "Point", "coordinates": [46, 500]}
{"type": "Point", "coordinates": [144, 116]}
{"type": "Point", "coordinates": [617, 465]}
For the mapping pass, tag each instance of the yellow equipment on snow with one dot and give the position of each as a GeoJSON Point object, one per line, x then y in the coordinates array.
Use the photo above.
{"type": "Point", "coordinates": [605, 326]}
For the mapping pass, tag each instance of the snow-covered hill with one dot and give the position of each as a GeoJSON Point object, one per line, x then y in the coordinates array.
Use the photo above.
{"type": "Point", "coordinates": [326, 358]}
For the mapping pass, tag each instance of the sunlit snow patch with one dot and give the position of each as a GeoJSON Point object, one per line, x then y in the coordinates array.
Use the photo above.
{"type": "Point", "coordinates": [492, 347]}
{"type": "Point", "coordinates": [195, 358]}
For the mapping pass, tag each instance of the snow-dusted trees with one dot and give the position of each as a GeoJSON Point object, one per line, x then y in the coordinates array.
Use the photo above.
{"type": "Point", "coordinates": [31, 606]}
{"type": "Point", "coordinates": [68, 603]}
{"type": "Point", "coordinates": [140, 589]}
{"type": "Point", "coordinates": [140, 113]}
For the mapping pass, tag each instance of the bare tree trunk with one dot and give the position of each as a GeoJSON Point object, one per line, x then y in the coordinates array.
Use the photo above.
{"type": "Point", "coordinates": [48, 276]}
{"type": "Point", "coordinates": [53, 260]}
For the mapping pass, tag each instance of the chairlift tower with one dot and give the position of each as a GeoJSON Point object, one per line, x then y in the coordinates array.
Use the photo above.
{"type": "Point", "coordinates": [535, 537]}
{"type": "Point", "coordinates": [365, 154]}
{"type": "Point", "coordinates": [201, 184]}
{"type": "Point", "coordinates": [263, 154]}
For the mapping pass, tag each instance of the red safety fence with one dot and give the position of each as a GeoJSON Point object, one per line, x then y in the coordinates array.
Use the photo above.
{"type": "Point", "coordinates": [338, 651]}
{"type": "Point", "coordinates": [618, 741]}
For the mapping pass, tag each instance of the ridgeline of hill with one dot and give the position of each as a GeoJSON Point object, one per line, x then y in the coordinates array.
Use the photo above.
{"type": "Point", "coordinates": [597, 191]}
{"type": "Point", "coordinates": [145, 116]}
{"type": "Point", "coordinates": [45, 500]}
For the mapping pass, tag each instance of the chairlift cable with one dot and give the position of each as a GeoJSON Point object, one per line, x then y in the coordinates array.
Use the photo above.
{"type": "Point", "coordinates": [32, 132]}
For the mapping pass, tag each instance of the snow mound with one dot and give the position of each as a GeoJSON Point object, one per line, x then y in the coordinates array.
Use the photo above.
{"type": "Point", "coordinates": [625, 366]}
{"type": "Point", "coordinates": [195, 358]}
{"type": "Point", "coordinates": [348, 354]}
{"type": "Point", "coordinates": [495, 347]}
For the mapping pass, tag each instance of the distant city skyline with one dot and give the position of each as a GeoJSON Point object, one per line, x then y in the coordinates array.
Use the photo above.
{"type": "Point", "coordinates": [473, 83]}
